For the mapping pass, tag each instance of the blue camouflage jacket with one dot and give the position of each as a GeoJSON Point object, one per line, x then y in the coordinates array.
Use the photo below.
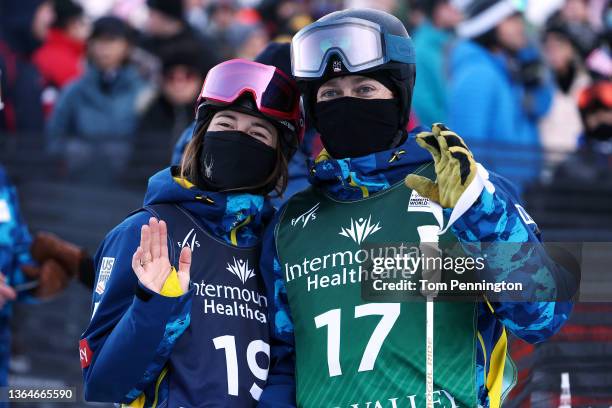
{"type": "Point", "coordinates": [15, 241]}
{"type": "Point", "coordinates": [125, 348]}
{"type": "Point", "coordinates": [494, 217]}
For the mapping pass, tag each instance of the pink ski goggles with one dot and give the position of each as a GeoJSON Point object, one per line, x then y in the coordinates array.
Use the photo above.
{"type": "Point", "coordinates": [275, 94]}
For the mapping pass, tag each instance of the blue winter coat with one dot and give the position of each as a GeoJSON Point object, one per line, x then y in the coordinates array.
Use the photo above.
{"type": "Point", "coordinates": [494, 112]}
{"type": "Point", "coordinates": [432, 49]}
{"type": "Point", "coordinates": [98, 109]}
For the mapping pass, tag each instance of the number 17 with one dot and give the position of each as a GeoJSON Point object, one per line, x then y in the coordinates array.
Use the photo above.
{"type": "Point", "coordinates": [389, 312]}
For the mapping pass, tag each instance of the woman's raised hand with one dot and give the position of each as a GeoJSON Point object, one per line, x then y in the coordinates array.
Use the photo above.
{"type": "Point", "coordinates": [150, 261]}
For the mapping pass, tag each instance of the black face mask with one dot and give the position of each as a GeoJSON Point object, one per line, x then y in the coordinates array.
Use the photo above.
{"type": "Point", "coordinates": [233, 159]}
{"type": "Point", "coordinates": [354, 127]}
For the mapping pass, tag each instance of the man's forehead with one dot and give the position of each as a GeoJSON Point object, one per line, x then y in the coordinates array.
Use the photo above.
{"type": "Point", "coordinates": [347, 78]}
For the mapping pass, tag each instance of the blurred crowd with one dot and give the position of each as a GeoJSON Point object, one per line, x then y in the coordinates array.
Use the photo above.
{"type": "Point", "coordinates": [521, 93]}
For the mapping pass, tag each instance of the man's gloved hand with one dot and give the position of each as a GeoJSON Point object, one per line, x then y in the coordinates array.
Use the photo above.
{"type": "Point", "coordinates": [52, 278]}
{"type": "Point", "coordinates": [454, 164]}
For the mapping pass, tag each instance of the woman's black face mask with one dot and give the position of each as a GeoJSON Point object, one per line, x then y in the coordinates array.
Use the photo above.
{"type": "Point", "coordinates": [353, 127]}
{"type": "Point", "coordinates": [234, 160]}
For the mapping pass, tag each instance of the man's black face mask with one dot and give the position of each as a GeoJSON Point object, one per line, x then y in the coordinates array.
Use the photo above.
{"type": "Point", "coordinates": [353, 127]}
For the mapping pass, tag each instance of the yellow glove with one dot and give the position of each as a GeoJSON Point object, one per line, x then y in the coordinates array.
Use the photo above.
{"type": "Point", "coordinates": [454, 164]}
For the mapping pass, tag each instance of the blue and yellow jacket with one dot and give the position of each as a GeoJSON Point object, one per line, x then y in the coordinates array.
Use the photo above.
{"type": "Point", "coordinates": [125, 349]}
{"type": "Point", "coordinates": [494, 217]}
{"type": "Point", "coordinates": [15, 241]}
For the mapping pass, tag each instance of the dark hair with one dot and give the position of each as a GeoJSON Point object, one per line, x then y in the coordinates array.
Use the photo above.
{"type": "Point", "coordinates": [112, 27]}
{"type": "Point", "coordinates": [190, 166]}
{"type": "Point", "coordinates": [429, 6]}
{"type": "Point", "coordinates": [65, 12]}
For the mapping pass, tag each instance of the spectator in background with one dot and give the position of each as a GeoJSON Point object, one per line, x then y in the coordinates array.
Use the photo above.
{"type": "Point", "coordinates": [100, 110]}
{"type": "Point", "coordinates": [284, 18]}
{"type": "Point", "coordinates": [561, 127]}
{"type": "Point", "coordinates": [592, 163]}
{"type": "Point", "coordinates": [499, 90]}
{"type": "Point", "coordinates": [432, 42]}
{"type": "Point", "coordinates": [247, 41]}
{"type": "Point", "coordinates": [23, 25]}
{"type": "Point", "coordinates": [61, 58]}
{"type": "Point", "coordinates": [172, 110]}
{"type": "Point", "coordinates": [575, 14]}
{"type": "Point", "coordinates": [167, 26]}
{"type": "Point", "coordinates": [222, 26]}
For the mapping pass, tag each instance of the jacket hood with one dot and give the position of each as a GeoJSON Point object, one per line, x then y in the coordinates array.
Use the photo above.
{"type": "Point", "coordinates": [356, 178]}
{"type": "Point", "coordinates": [238, 219]}
{"type": "Point", "coordinates": [16, 24]}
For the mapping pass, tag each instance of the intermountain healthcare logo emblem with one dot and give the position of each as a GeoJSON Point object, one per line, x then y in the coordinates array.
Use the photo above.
{"type": "Point", "coordinates": [360, 229]}
{"type": "Point", "coordinates": [106, 267]}
{"type": "Point", "coordinates": [241, 269]}
{"type": "Point", "coordinates": [191, 235]}
{"type": "Point", "coordinates": [307, 216]}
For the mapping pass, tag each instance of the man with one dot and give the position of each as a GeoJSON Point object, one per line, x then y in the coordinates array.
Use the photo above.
{"type": "Point", "coordinates": [432, 43]}
{"type": "Point", "coordinates": [334, 345]}
{"type": "Point", "coordinates": [23, 26]}
{"type": "Point", "coordinates": [499, 89]}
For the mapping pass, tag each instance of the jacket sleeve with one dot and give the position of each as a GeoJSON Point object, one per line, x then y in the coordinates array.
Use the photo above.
{"type": "Point", "coordinates": [498, 217]}
{"type": "Point", "coordinates": [279, 391]}
{"type": "Point", "coordinates": [15, 231]}
{"type": "Point", "coordinates": [132, 330]}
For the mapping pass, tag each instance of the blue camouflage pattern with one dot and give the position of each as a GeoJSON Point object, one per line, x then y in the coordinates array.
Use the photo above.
{"type": "Point", "coordinates": [493, 218]}
{"type": "Point", "coordinates": [15, 241]}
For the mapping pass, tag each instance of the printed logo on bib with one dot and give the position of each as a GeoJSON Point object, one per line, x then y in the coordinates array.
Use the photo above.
{"type": "Point", "coordinates": [244, 300]}
{"type": "Point", "coordinates": [417, 202]}
{"type": "Point", "coordinates": [85, 353]}
{"type": "Point", "coordinates": [307, 216]}
{"type": "Point", "coordinates": [360, 229]}
{"type": "Point", "coordinates": [241, 269]}
{"type": "Point", "coordinates": [106, 267]}
{"type": "Point", "coordinates": [190, 240]}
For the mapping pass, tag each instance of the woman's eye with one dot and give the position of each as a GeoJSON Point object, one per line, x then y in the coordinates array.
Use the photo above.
{"type": "Point", "coordinates": [259, 135]}
{"type": "Point", "coordinates": [224, 124]}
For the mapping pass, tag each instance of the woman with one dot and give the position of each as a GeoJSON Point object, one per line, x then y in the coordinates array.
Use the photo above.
{"type": "Point", "coordinates": [153, 340]}
{"type": "Point", "coordinates": [356, 72]}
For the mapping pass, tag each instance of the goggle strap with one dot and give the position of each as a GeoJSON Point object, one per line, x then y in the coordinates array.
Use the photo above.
{"type": "Point", "coordinates": [399, 49]}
